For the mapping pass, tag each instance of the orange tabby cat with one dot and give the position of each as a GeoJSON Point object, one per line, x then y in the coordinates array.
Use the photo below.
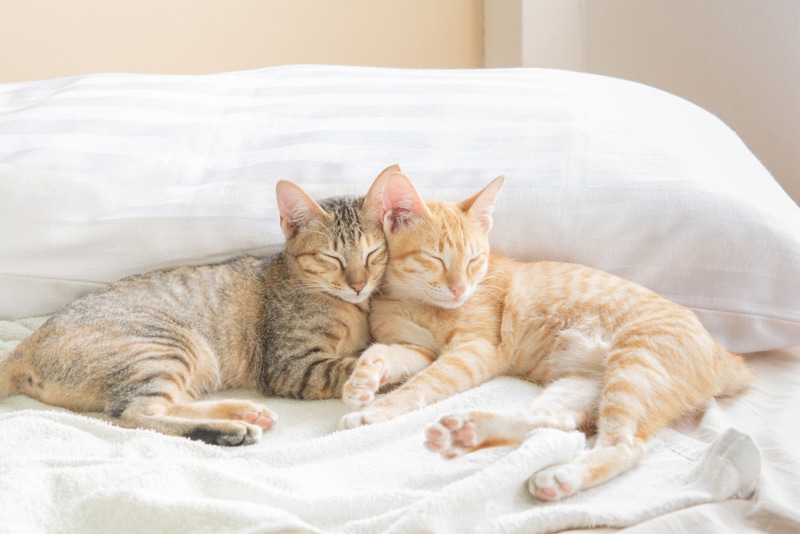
{"type": "Point", "coordinates": [614, 357]}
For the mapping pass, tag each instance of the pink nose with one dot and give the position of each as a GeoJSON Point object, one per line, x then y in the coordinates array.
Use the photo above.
{"type": "Point", "coordinates": [457, 290]}
{"type": "Point", "coordinates": [358, 286]}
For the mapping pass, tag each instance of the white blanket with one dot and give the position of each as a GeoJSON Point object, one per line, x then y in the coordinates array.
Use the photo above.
{"type": "Point", "coordinates": [108, 175]}
{"type": "Point", "coordinates": [65, 472]}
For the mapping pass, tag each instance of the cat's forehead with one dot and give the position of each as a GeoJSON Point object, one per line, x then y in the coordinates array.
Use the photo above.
{"type": "Point", "coordinates": [344, 211]}
{"type": "Point", "coordinates": [455, 230]}
{"type": "Point", "coordinates": [347, 226]}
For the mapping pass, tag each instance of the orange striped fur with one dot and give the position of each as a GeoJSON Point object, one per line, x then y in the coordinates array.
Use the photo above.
{"type": "Point", "coordinates": [614, 358]}
{"type": "Point", "coordinates": [145, 349]}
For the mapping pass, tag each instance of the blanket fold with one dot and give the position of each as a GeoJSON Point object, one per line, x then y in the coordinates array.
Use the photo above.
{"type": "Point", "coordinates": [67, 472]}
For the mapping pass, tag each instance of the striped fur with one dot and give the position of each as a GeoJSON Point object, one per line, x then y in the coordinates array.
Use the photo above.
{"type": "Point", "coordinates": [615, 358]}
{"type": "Point", "coordinates": [145, 349]}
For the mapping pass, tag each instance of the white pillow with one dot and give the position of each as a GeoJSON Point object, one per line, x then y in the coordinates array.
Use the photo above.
{"type": "Point", "coordinates": [104, 176]}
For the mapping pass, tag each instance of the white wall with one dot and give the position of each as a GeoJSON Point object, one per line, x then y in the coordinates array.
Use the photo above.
{"type": "Point", "coordinates": [739, 59]}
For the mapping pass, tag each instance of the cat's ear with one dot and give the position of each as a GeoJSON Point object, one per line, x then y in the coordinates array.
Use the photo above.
{"type": "Point", "coordinates": [481, 205]}
{"type": "Point", "coordinates": [373, 201]}
{"type": "Point", "coordinates": [402, 204]}
{"type": "Point", "coordinates": [295, 206]}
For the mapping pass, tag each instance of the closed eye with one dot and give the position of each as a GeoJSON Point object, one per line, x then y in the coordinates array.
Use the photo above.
{"type": "Point", "coordinates": [374, 254]}
{"type": "Point", "coordinates": [476, 258]}
{"type": "Point", "coordinates": [435, 258]}
{"type": "Point", "coordinates": [334, 257]}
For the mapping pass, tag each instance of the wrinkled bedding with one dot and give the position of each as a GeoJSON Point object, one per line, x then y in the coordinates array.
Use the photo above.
{"type": "Point", "coordinates": [107, 175]}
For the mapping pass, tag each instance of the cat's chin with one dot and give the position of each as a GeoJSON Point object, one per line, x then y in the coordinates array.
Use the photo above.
{"type": "Point", "coordinates": [449, 304]}
{"type": "Point", "coordinates": [355, 299]}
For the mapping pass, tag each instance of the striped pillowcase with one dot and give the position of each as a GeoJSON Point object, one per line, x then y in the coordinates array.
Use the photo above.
{"type": "Point", "coordinates": [107, 175]}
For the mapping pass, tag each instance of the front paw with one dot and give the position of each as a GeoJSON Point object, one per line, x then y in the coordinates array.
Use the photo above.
{"type": "Point", "coordinates": [356, 419]}
{"type": "Point", "coordinates": [352, 420]}
{"type": "Point", "coordinates": [367, 378]}
{"type": "Point", "coordinates": [453, 436]}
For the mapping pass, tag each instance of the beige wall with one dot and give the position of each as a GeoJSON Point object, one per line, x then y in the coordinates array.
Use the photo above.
{"type": "Point", "coordinates": [739, 59]}
{"type": "Point", "coordinates": [53, 38]}
{"type": "Point", "coordinates": [736, 58]}
{"type": "Point", "coordinates": [540, 33]}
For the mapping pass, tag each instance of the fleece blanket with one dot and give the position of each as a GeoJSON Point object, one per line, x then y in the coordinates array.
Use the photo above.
{"type": "Point", "coordinates": [67, 472]}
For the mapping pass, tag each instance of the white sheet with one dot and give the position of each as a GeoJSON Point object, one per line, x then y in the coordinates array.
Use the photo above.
{"type": "Point", "coordinates": [107, 175]}
{"type": "Point", "coordinates": [65, 472]}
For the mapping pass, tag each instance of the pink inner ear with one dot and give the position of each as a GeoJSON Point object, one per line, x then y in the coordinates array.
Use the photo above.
{"type": "Point", "coordinates": [294, 206]}
{"type": "Point", "coordinates": [374, 197]}
{"type": "Point", "coordinates": [374, 201]}
{"type": "Point", "coordinates": [483, 205]}
{"type": "Point", "coordinates": [483, 215]}
{"type": "Point", "coordinates": [288, 199]}
{"type": "Point", "coordinates": [402, 203]}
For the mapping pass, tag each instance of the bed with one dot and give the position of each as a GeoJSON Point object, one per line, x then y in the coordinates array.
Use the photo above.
{"type": "Point", "coordinates": [106, 175]}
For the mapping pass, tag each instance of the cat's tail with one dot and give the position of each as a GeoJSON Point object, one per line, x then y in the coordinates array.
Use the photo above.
{"type": "Point", "coordinates": [734, 376]}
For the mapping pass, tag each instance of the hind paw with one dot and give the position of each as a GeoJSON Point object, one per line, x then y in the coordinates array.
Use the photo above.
{"type": "Point", "coordinates": [260, 416]}
{"type": "Point", "coordinates": [251, 434]}
{"type": "Point", "coordinates": [453, 436]}
{"type": "Point", "coordinates": [230, 434]}
{"type": "Point", "coordinates": [555, 483]}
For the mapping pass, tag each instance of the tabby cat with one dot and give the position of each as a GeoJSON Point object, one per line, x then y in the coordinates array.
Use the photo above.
{"type": "Point", "coordinates": [614, 358]}
{"type": "Point", "coordinates": [144, 349]}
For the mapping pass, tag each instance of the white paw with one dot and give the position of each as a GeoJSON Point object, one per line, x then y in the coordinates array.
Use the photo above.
{"type": "Point", "coordinates": [367, 378]}
{"type": "Point", "coordinates": [453, 436]}
{"type": "Point", "coordinates": [555, 483]}
{"type": "Point", "coordinates": [351, 420]}
{"type": "Point", "coordinates": [437, 438]}
{"type": "Point", "coordinates": [356, 419]}
{"type": "Point", "coordinates": [365, 417]}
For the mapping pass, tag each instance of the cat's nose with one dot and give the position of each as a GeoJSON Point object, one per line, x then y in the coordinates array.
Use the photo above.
{"type": "Point", "coordinates": [457, 289]}
{"type": "Point", "coordinates": [358, 286]}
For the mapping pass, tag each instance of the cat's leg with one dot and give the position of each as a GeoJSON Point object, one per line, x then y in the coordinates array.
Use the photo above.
{"type": "Point", "coordinates": [638, 399]}
{"type": "Point", "coordinates": [609, 457]}
{"type": "Point", "coordinates": [566, 404]}
{"type": "Point", "coordinates": [230, 409]}
{"type": "Point", "coordinates": [228, 423]}
{"type": "Point", "coordinates": [379, 365]}
{"type": "Point", "coordinates": [453, 372]}
{"type": "Point", "coordinates": [614, 453]}
{"type": "Point", "coordinates": [459, 433]}
{"type": "Point", "coordinates": [163, 398]}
